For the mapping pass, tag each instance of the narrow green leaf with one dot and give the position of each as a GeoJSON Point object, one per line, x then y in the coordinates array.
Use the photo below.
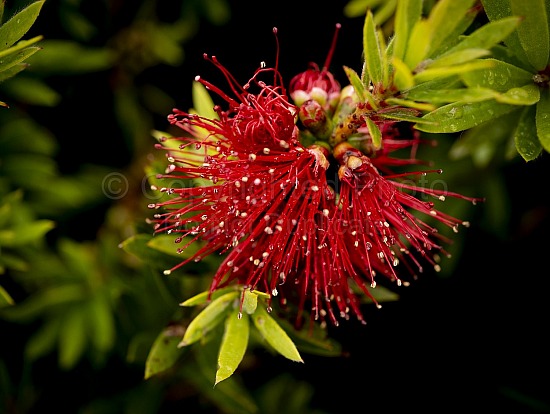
{"type": "Point", "coordinates": [371, 50]}
{"type": "Point", "coordinates": [524, 95]}
{"type": "Point", "coordinates": [374, 132]}
{"type": "Point", "coordinates": [250, 302]}
{"type": "Point", "coordinates": [525, 135]}
{"type": "Point", "coordinates": [15, 58]}
{"type": "Point", "coordinates": [101, 322]}
{"type": "Point", "coordinates": [275, 336]}
{"type": "Point", "coordinates": [488, 35]}
{"type": "Point", "coordinates": [500, 76]}
{"type": "Point", "coordinates": [22, 44]}
{"type": "Point", "coordinates": [410, 104]}
{"type": "Point", "coordinates": [533, 31]}
{"type": "Point", "coordinates": [16, 27]}
{"type": "Point", "coordinates": [543, 120]}
{"type": "Point", "coordinates": [402, 75]}
{"type": "Point", "coordinates": [355, 81]}
{"type": "Point", "coordinates": [407, 13]}
{"type": "Point", "coordinates": [72, 337]}
{"type": "Point", "coordinates": [444, 18]}
{"type": "Point", "coordinates": [208, 318]}
{"type": "Point", "coordinates": [440, 72]}
{"type": "Point", "coordinates": [401, 114]}
{"type": "Point", "coordinates": [499, 9]}
{"type": "Point", "coordinates": [202, 101]}
{"type": "Point", "coordinates": [418, 44]}
{"type": "Point", "coordinates": [458, 57]}
{"type": "Point", "coordinates": [233, 346]}
{"type": "Point", "coordinates": [460, 116]}
{"type": "Point", "coordinates": [164, 352]}
{"type": "Point", "coordinates": [5, 298]}
{"type": "Point", "coordinates": [203, 297]}
{"type": "Point", "coordinates": [25, 233]}
{"type": "Point", "coordinates": [438, 96]}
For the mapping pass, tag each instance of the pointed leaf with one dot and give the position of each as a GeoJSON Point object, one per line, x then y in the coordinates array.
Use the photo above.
{"type": "Point", "coordinates": [250, 302]}
{"type": "Point", "coordinates": [72, 337]}
{"type": "Point", "coordinates": [234, 344]}
{"type": "Point", "coordinates": [543, 120]}
{"type": "Point", "coordinates": [371, 50]}
{"type": "Point", "coordinates": [500, 76]}
{"type": "Point", "coordinates": [204, 297]}
{"type": "Point", "coordinates": [275, 336]}
{"type": "Point", "coordinates": [402, 75]}
{"type": "Point", "coordinates": [488, 35]}
{"type": "Point", "coordinates": [499, 9]}
{"type": "Point", "coordinates": [533, 31]}
{"type": "Point", "coordinates": [356, 82]}
{"type": "Point", "coordinates": [374, 132]}
{"type": "Point", "coordinates": [453, 95]}
{"type": "Point", "coordinates": [440, 72]}
{"type": "Point", "coordinates": [5, 298]}
{"type": "Point", "coordinates": [458, 57]}
{"type": "Point", "coordinates": [525, 95]}
{"type": "Point", "coordinates": [19, 24]}
{"type": "Point", "coordinates": [460, 116]}
{"type": "Point", "coordinates": [525, 135]}
{"type": "Point", "coordinates": [202, 101]}
{"type": "Point", "coordinates": [208, 318]}
{"type": "Point", "coordinates": [165, 352]}
{"type": "Point", "coordinates": [408, 12]}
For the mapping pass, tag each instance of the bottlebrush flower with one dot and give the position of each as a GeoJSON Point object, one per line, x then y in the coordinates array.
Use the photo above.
{"type": "Point", "coordinates": [273, 205]}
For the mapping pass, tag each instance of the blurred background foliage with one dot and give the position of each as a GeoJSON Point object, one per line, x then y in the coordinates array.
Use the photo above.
{"type": "Point", "coordinates": [79, 314]}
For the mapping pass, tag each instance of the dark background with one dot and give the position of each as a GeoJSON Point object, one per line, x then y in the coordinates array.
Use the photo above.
{"type": "Point", "coordinates": [475, 339]}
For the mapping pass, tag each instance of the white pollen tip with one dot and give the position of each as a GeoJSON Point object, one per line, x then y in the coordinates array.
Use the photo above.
{"type": "Point", "coordinates": [167, 272]}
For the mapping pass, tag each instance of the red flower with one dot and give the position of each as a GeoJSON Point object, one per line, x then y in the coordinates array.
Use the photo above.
{"type": "Point", "coordinates": [268, 202]}
{"type": "Point", "coordinates": [269, 208]}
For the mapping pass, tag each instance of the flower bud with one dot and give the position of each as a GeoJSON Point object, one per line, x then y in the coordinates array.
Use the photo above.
{"type": "Point", "coordinates": [314, 119]}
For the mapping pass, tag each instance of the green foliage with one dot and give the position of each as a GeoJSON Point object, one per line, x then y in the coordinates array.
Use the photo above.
{"type": "Point", "coordinates": [13, 55]}
{"type": "Point", "coordinates": [75, 293]}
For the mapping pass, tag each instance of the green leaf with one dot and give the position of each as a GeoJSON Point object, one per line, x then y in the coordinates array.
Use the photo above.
{"type": "Point", "coordinates": [166, 243]}
{"type": "Point", "coordinates": [5, 298]}
{"type": "Point", "coordinates": [499, 9]}
{"type": "Point", "coordinates": [72, 337]}
{"type": "Point", "coordinates": [408, 12]}
{"type": "Point", "coordinates": [25, 233]}
{"type": "Point", "coordinates": [355, 81]}
{"type": "Point", "coordinates": [533, 31]}
{"type": "Point", "coordinates": [250, 302]}
{"type": "Point", "coordinates": [275, 336]}
{"type": "Point", "coordinates": [101, 322]}
{"type": "Point", "coordinates": [164, 352]}
{"type": "Point", "coordinates": [525, 135]}
{"type": "Point", "coordinates": [203, 297]}
{"type": "Point", "coordinates": [488, 35]}
{"type": "Point", "coordinates": [16, 27]}
{"type": "Point", "coordinates": [459, 116]}
{"type": "Point", "coordinates": [374, 132]}
{"type": "Point", "coordinates": [445, 71]}
{"type": "Point", "coordinates": [438, 96]}
{"type": "Point", "coordinates": [525, 95]}
{"type": "Point", "coordinates": [202, 101]}
{"type": "Point", "coordinates": [208, 318]}
{"type": "Point", "coordinates": [458, 57]}
{"type": "Point", "coordinates": [67, 57]}
{"type": "Point", "coordinates": [402, 75]}
{"type": "Point", "coordinates": [32, 91]}
{"type": "Point", "coordinates": [371, 50]}
{"type": "Point", "coordinates": [314, 340]}
{"type": "Point", "coordinates": [543, 120]}
{"type": "Point", "coordinates": [233, 346]}
{"type": "Point", "coordinates": [500, 77]}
